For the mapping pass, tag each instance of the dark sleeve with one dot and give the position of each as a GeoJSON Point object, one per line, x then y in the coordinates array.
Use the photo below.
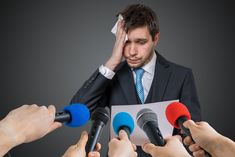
{"type": "Point", "coordinates": [189, 96]}
{"type": "Point", "coordinates": [93, 92]}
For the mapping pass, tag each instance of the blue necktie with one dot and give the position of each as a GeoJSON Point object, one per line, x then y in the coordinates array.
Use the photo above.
{"type": "Point", "coordinates": [138, 83]}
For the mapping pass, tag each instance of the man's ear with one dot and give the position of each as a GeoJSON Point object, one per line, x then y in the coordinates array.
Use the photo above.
{"type": "Point", "coordinates": [156, 38]}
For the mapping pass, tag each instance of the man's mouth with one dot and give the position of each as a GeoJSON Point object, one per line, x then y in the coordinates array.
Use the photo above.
{"type": "Point", "coordinates": [133, 61]}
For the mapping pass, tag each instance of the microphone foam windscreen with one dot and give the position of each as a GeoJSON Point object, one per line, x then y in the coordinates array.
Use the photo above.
{"type": "Point", "coordinates": [176, 110]}
{"type": "Point", "coordinates": [123, 119]}
{"type": "Point", "coordinates": [145, 115]}
{"type": "Point", "coordinates": [101, 114]}
{"type": "Point", "coordinates": [79, 113]}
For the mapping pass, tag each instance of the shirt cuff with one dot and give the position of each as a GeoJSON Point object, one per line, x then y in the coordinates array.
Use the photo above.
{"type": "Point", "coordinates": [106, 72]}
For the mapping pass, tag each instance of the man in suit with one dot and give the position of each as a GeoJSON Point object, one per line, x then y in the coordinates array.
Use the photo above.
{"type": "Point", "coordinates": [144, 76]}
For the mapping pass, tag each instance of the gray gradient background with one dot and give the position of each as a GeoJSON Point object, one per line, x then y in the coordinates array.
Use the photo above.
{"type": "Point", "coordinates": [49, 48]}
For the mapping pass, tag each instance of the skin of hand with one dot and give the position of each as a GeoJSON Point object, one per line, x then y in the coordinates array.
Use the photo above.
{"type": "Point", "coordinates": [207, 138]}
{"type": "Point", "coordinates": [79, 148]}
{"type": "Point", "coordinates": [173, 148]}
{"type": "Point", "coordinates": [117, 53]}
{"type": "Point", "coordinates": [122, 147]}
{"type": "Point", "coordinates": [27, 123]}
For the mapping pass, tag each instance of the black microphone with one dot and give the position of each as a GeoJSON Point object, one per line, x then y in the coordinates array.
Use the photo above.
{"type": "Point", "coordinates": [147, 121]}
{"type": "Point", "coordinates": [74, 115]}
{"type": "Point", "coordinates": [100, 118]}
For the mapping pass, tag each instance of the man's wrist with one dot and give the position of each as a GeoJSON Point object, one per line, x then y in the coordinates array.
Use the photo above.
{"type": "Point", "coordinates": [7, 141]}
{"type": "Point", "coordinates": [111, 64]}
{"type": "Point", "coordinates": [106, 72]}
{"type": "Point", "coordinates": [11, 136]}
{"type": "Point", "coordinates": [220, 146]}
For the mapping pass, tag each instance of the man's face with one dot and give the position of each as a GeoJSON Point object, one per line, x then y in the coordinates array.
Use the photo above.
{"type": "Point", "coordinates": [139, 47]}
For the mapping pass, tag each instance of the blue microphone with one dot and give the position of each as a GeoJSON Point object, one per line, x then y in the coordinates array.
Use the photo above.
{"type": "Point", "coordinates": [123, 121]}
{"type": "Point", "coordinates": [74, 115]}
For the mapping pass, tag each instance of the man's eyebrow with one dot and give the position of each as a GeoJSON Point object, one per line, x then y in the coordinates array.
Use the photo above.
{"type": "Point", "coordinates": [140, 39]}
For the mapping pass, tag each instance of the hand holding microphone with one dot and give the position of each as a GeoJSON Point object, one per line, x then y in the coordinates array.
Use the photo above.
{"type": "Point", "coordinates": [29, 122]}
{"type": "Point", "coordinates": [78, 150]}
{"type": "Point", "coordinates": [123, 126]}
{"type": "Point", "coordinates": [122, 146]}
{"type": "Point", "coordinates": [177, 114]}
{"type": "Point", "coordinates": [25, 124]}
{"type": "Point", "coordinates": [172, 148]}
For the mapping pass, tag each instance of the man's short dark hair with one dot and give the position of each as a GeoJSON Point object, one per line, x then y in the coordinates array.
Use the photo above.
{"type": "Point", "coordinates": [139, 15]}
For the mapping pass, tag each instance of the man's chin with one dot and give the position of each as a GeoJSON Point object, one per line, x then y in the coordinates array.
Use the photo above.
{"type": "Point", "coordinates": [134, 65]}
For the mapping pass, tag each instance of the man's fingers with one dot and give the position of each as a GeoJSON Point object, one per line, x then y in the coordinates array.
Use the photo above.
{"type": "Point", "coordinates": [149, 148]}
{"type": "Point", "coordinates": [98, 147]}
{"type": "Point", "coordinates": [194, 147]}
{"type": "Point", "coordinates": [54, 126]}
{"type": "Point", "coordinates": [52, 109]}
{"type": "Point", "coordinates": [83, 139]}
{"type": "Point", "coordinates": [188, 140]}
{"type": "Point", "coordinates": [120, 27]}
{"type": "Point", "coordinates": [200, 153]}
{"type": "Point", "coordinates": [134, 146]}
{"type": "Point", "coordinates": [123, 135]}
{"type": "Point", "coordinates": [94, 154]}
{"type": "Point", "coordinates": [189, 123]}
{"type": "Point", "coordinates": [178, 137]}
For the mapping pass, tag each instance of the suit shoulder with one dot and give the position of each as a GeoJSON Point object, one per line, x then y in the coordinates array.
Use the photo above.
{"type": "Point", "coordinates": [177, 67]}
{"type": "Point", "coordinates": [173, 66]}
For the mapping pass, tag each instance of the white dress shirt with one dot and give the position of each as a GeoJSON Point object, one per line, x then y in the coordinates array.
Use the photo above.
{"type": "Point", "coordinates": [147, 78]}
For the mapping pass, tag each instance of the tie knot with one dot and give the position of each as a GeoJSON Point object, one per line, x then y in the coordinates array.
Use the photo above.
{"type": "Point", "coordinates": [139, 72]}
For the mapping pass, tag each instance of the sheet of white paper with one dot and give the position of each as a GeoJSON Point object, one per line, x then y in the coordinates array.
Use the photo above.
{"type": "Point", "coordinates": [138, 136]}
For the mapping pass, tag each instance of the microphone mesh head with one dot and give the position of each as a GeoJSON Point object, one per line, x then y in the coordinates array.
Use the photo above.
{"type": "Point", "coordinates": [176, 110]}
{"type": "Point", "coordinates": [101, 114]}
{"type": "Point", "coordinates": [123, 119]}
{"type": "Point", "coordinates": [79, 113]}
{"type": "Point", "coordinates": [145, 115]}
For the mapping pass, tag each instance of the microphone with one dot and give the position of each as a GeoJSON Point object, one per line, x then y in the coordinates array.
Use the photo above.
{"type": "Point", "coordinates": [123, 121]}
{"type": "Point", "coordinates": [74, 115]}
{"type": "Point", "coordinates": [177, 113]}
{"type": "Point", "coordinates": [147, 121]}
{"type": "Point", "coordinates": [100, 118]}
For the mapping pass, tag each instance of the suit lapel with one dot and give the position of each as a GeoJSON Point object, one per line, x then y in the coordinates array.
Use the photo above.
{"type": "Point", "coordinates": [127, 84]}
{"type": "Point", "coordinates": [160, 80]}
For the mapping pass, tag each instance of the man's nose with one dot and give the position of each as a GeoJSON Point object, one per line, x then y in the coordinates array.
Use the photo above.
{"type": "Point", "coordinates": [133, 50]}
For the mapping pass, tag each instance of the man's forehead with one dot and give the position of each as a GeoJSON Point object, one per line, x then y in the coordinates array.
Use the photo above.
{"type": "Point", "coordinates": [138, 35]}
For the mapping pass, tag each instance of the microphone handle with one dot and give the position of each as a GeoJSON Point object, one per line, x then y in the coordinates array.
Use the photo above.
{"type": "Point", "coordinates": [153, 133]}
{"type": "Point", "coordinates": [126, 129]}
{"type": "Point", "coordinates": [180, 121]}
{"type": "Point", "coordinates": [94, 135]}
{"type": "Point", "coordinates": [62, 117]}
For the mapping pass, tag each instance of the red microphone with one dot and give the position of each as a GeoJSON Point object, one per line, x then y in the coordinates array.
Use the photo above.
{"type": "Point", "coordinates": [177, 113]}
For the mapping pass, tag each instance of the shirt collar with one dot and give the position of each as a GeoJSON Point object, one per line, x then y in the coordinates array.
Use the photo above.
{"type": "Point", "coordinates": [150, 66]}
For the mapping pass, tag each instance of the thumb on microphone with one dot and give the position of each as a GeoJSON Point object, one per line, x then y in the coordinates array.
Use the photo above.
{"type": "Point", "coordinates": [150, 149]}
{"type": "Point", "coordinates": [203, 134]}
{"type": "Point", "coordinates": [189, 124]}
{"type": "Point", "coordinates": [123, 135]}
